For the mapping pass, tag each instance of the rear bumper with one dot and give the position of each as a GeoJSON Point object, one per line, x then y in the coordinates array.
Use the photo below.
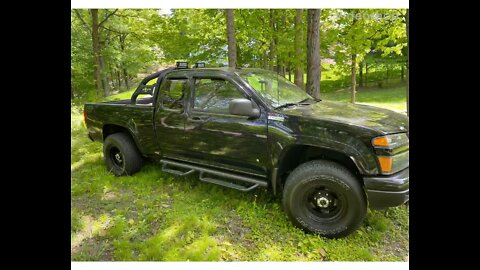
{"type": "Point", "coordinates": [387, 191]}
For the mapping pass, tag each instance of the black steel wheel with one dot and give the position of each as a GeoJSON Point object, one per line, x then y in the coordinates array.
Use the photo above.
{"type": "Point", "coordinates": [324, 197]}
{"type": "Point", "coordinates": [121, 154]}
{"type": "Point", "coordinates": [116, 156]}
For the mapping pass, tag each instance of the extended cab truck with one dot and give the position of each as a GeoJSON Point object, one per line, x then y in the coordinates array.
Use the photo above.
{"type": "Point", "coordinates": [250, 128]}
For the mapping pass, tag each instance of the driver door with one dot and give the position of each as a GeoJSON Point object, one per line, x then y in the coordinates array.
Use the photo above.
{"type": "Point", "coordinates": [220, 139]}
{"type": "Point", "coordinates": [170, 116]}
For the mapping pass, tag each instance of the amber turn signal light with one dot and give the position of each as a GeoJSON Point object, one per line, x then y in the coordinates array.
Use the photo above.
{"type": "Point", "coordinates": [385, 164]}
{"type": "Point", "coordinates": [380, 141]}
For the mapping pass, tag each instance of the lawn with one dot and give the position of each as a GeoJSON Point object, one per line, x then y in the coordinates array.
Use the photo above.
{"type": "Point", "coordinates": [393, 98]}
{"type": "Point", "coordinates": [155, 216]}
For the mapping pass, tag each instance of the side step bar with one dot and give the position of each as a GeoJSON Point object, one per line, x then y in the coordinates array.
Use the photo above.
{"type": "Point", "coordinates": [192, 168]}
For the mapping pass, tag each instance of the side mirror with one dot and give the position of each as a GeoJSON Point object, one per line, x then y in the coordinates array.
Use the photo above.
{"type": "Point", "coordinates": [243, 106]}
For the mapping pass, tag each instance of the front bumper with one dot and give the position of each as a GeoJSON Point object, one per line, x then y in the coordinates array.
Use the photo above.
{"type": "Point", "coordinates": [387, 191]}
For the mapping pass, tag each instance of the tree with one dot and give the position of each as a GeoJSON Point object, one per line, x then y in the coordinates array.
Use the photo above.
{"type": "Point", "coordinates": [190, 34]}
{"type": "Point", "coordinates": [98, 61]}
{"type": "Point", "coordinates": [253, 37]}
{"type": "Point", "coordinates": [109, 48]}
{"type": "Point", "coordinates": [362, 32]}
{"type": "Point", "coordinates": [96, 49]}
{"type": "Point", "coordinates": [281, 40]}
{"type": "Point", "coordinates": [408, 55]}
{"type": "Point", "coordinates": [299, 64]}
{"type": "Point", "coordinates": [126, 47]}
{"type": "Point", "coordinates": [273, 40]}
{"type": "Point", "coordinates": [313, 53]}
{"type": "Point", "coordinates": [354, 60]}
{"type": "Point", "coordinates": [232, 43]}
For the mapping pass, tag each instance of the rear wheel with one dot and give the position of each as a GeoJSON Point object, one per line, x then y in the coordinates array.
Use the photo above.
{"type": "Point", "coordinates": [324, 197]}
{"type": "Point", "coordinates": [121, 154]}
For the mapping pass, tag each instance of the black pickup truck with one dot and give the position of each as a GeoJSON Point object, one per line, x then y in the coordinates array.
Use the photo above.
{"type": "Point", "coordinates": [249, 128]}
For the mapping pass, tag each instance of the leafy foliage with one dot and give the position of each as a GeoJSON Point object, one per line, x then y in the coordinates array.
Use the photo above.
{"type": "Point", "coordinates": [126, 49]}
{"type": "Point", "coordinates": [137, 41]}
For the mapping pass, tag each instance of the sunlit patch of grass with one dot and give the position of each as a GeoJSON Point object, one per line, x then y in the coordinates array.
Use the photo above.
{"type": "Point", "coordinates": [89, 228]}
{"type": "Point", "coordinates": [393, 98]}
{"type": "Point", "coordinates": [187, 239]}
{"type": "Point", "coordinates": [75, 221]}
{"type": "Point", "coordinates": [121, 96]}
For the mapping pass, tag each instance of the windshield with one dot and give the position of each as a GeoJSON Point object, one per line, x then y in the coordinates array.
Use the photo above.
{"type": "Point", "coordinates": [275, 89]}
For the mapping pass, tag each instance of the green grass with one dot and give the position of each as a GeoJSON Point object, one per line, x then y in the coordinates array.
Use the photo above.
{"type": "Point", "coordinates": [393, 98]}
{"type": "Point", "coordinates": [333, 79]}
{"type": "Point", "coordinates": [155, 216]}
{"type": "Point", "coordinates": [120, 96]}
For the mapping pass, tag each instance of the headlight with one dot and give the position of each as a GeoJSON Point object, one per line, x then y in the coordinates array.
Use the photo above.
{"type": "Point", "coordinates": [392, 152]}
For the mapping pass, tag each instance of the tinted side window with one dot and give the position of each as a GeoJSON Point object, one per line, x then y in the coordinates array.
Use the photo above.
{"type": "Point", "coordinates": [173, 92]}
{"type": "Point", "coordinates": [214, 95]}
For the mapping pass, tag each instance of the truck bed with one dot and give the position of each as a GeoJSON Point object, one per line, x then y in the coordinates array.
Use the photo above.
{"type": "Point", "coordinates": [140, 101]}
{"type": "Point", "coordinates": [138, 119]}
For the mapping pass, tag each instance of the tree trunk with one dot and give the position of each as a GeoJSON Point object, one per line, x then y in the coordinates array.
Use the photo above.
{"type": "Point", "coordinates": [360, 75]}
{"type": "Point", "coordinates": [273, 53]}
{"type": "Point", "coordinates": [402, 73]}
{"type": "Point", "coordinates": [408, 55]}
{"type": "Point", "coordinates": [298, 77]}
{"type": "Point", "coordinates": [122, 47]}
{"type": "Point", "coordinates": [106, 87]}
{"type": "Point", "coordinates": [386, 79]}
{"type": "Point", "coordinates": [354, 73]}
{"type": "Point", "coordinates": [288, 69]}
{"type": "Point", "coordinates": [239, 56]}
{"type": "Point", "coordinates": [96, 51]}
{"type": "Point", "coordinates": [280, 57]}
{"type": "Point", "coordinates": [125, 77]}
{"type": "Point", "coordinates": [313, 53]}
{"type": "Point", "coordinates": [354, 64]}
{"type": "Point", "coordinates": [119, 80]}
{"type": "Point", "coordinates": [232, 42]}
{"type": "Point", "coordinates": [112, 79]}
{"type": "Point", "coordinates": [366, 73]}
{"type": "Point", "coordinates": [265, 60]}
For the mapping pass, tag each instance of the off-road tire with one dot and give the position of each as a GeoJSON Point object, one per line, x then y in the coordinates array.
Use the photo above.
{"type": "Point", "coordinates": [338, 206]}
{"type": "Point", "coordinates": [121, 154]}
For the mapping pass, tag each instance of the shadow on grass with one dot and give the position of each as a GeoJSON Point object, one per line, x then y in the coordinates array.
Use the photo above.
{"type": "Point", "coordinates": [157, 217]}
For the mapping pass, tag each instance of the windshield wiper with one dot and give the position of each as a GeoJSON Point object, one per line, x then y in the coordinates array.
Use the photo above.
{"type": "Point", "coordinates": [287, 105]}
{"type": "Point", "coordinates": [296, 103]}
{"type": "Point", "coordinates": [312, 98]}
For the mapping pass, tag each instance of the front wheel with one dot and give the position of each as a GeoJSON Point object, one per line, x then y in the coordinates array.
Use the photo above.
{"type": "Point", "coordinates": [324, 197]}
{"type": "Point", "coordinates": [121, 154]}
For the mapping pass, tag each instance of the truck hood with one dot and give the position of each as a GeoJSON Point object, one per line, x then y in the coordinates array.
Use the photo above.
{"type": "Point", "coordinates": [383, 120]}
